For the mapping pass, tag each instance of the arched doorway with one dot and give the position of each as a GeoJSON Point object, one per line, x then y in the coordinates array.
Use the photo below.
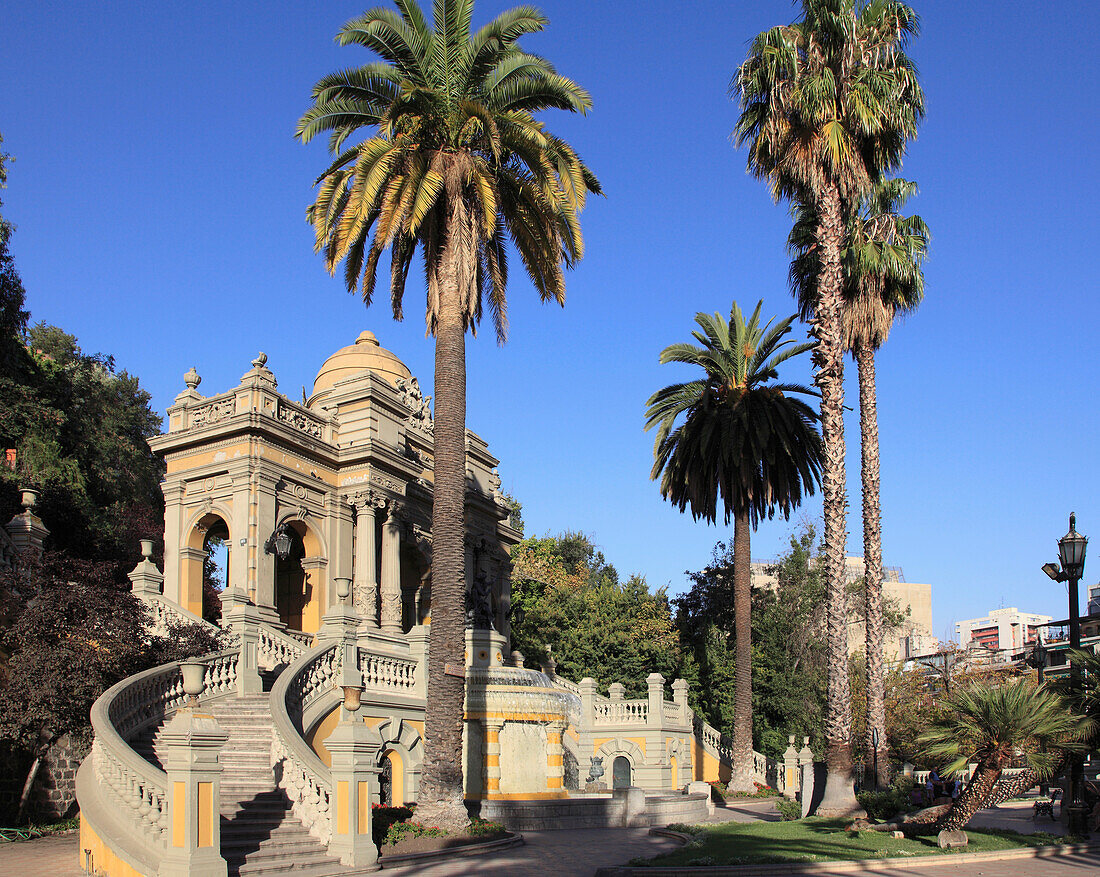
{"type": "Point", "coordinates": [620, 772]}
{"type": "Point", "coordinates": [204, 565]}
{"type": "Point", "coordinates": [391, 779]}
{"type": "Point", "coordinates": [292, 587]}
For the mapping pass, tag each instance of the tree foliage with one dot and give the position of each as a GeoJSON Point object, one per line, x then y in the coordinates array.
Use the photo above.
{"type": "Point", "coordinates": [596, 625]}
{"type": "Point", "coordinates": [788, 651]}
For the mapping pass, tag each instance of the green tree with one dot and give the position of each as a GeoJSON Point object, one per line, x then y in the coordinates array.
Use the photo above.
{"type": "Point", "coordinates": [882, 258]}
{"type": "Point", "coordinates": [575, 608]}
{"type": "Point", "coordinates": [743, 438]}
{"type": "Point", "coordinates": [992, 724]}
{"type": "Point", "coordinates": [788, 645]}
{"type": "Point", "coordinates": [827, 106]}
{"type": "Point", "coordinates": [457, 166]}
{"type": "Point", "coordinates": [80, 430]}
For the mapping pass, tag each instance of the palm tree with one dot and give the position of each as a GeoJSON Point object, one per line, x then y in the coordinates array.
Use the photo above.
{"type": "Point", "coordinates": [456, 166]}
{"type": "Point", "coordinates": [828, 104]}
{"type": "Point", "coordinates": [746, 440]}
{"type": "Point", "coordinates": [882, 257]}
{"type": "Point", "coordinates": [989, 725]}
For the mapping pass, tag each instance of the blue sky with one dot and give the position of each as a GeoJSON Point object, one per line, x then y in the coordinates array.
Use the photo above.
{"type": "Point", "coordinates": [159, 197]}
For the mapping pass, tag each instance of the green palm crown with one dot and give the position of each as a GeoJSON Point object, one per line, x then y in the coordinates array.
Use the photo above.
{"type": "Point", "coordinates": [458, 161]}
{"type": "Point", "coordinates": [742, 438]}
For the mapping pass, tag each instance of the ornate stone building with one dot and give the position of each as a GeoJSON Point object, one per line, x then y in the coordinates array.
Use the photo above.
{"type": "Point", "coordinates": [338, 485]}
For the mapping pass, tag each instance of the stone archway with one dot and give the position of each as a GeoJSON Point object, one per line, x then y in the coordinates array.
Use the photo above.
{"type": "Point", "coordinates": [210, 523]}
{"type": "Point", "coordinates": [301, 580]}
{"type": "Point", "coordinates": [403, 748]}
{"type": "Point", "coordinates": [620, 747]}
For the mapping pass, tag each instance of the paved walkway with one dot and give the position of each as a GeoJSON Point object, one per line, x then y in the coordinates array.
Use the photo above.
{"type": "Point", "coordinates": [579, 853]}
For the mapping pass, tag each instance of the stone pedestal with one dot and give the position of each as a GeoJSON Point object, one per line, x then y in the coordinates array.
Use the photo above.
{"type": "Point", "coordinates": [484, 648]}
{"type": "Point", "coordinates": [790, 769]}
{"type": "Point", "coordinates": [27, 530]}
{"type": "Point", "coordinates": [191, 743]}
{"type": "Point", "coordinates": [145, 579]}
{"type": "Point", "coordinates": [355, 749]}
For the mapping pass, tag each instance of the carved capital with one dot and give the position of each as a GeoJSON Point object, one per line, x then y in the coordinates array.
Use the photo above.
{"type": "Point", "coordinates": [367, 499]}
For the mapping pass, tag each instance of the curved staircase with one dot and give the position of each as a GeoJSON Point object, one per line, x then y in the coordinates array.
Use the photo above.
{"type": "Point", "coordinates": [259, 833]}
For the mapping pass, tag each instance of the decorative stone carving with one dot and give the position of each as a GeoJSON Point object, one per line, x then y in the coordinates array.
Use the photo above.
{"type": "Point", "coordinates": [419, 405]}
{"type": "Point", "coordinates": [214, 412]}
{"type": "Point", "coordinates": [297, 418]}
{"type": "Point", "coordinates": [388, 483]}
{"type": "Point", "coordinates": [192, 379]}
{"type": "Point", "coordinates": [479, 603]}
{"type": "Point", "coordinates": [595, 771]}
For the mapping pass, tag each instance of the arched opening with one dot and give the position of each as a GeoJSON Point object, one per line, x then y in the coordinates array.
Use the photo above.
{"type": "Point", "coordinates": [620, 772]}
{"type": "Point", "coordinates": [204, 566]}
{"type": "Point", "coordinates": [292, 586]}
{"type": "Point", "coordinates": [391, 779]}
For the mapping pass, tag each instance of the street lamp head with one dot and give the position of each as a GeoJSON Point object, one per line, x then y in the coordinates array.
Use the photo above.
{"type": "Point", "coordinates": [1053, 570]}
{"type": "Point", "coordinates": [1071, 550]}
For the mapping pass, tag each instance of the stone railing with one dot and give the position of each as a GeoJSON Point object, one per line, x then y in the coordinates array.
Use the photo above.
{"type": "Point", "coordinates": [161, 611]}
{"type": "Point", "coordinates": [620, 712]}
{"type": "Point", "coordinates": [566, 685]}
{"type": "Point", "coordinates": [766, 770]}
{"type": "Point", "coordinates": [277, 648]}
{"type": "Point", "coordinates": [671, 711]}
{"type": "Point", "coordinates": [299, 771]}
{"type": "Point", "coordinates": [126, 782]}
{"type": "Point", "coordinates": [387, 673]}
{"type": "Point", "coordinates": [305, 639]}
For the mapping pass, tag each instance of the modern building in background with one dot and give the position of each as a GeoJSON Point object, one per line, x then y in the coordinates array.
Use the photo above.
{"type": "Point", "coordinates": [1002, 630]}
{"type": "Point", "coordinates": [912, 638]}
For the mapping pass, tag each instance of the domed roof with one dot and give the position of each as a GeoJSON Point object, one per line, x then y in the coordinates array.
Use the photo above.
{"type": "Point", "coordinates": [366, 354]}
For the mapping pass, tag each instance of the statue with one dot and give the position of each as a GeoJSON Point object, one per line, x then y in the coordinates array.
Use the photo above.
{"type": "Point", "coordinates": [479, 604]}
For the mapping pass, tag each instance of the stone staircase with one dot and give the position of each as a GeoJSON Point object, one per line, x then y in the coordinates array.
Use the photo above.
{"type": "Point", "coordinates": [259, 833]}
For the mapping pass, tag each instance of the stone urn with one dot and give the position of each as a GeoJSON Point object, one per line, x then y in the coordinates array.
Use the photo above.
{"type": "Point", "coordinates": [194, 679]}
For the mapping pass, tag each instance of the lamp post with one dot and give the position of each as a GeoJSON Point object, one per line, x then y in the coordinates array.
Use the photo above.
{"type": "Point", "coordinates": [1071, 554]}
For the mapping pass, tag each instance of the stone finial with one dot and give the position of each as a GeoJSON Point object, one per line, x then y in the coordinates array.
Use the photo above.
{"type": "Point", "coordinates": [27, 531]}
{"type": "Point", "coordinates": [192, 379]}
{"type": "Point", "coordinates": [145, 579]}
{"type": "Point", "coordinates": [616, 691]}
{"type": "Point", "coordinates": [260, 361]}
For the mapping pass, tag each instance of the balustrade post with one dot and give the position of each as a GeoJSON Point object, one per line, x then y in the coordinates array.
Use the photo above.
{"type": "Point", "coordinates": [587, 688]}
{"type": "Point", "coordinates": [191, 743]}
{"type": "Point", "coordinates": [790, 769]}
{"type": "Point", "coordinates": [145, 579]}
{"type": "Point", "coordinates": [243, 620]}
{"type": "Point", "coordinates": [354, 748]}
{"type": "Point", "coordinates": [680, 698]}
{"type": "Point", "coordinates": [656, 685]}
{"type": "Point", "coordinates": [616, 691]}
{"type": "Point", "coordinates": [418, 651]}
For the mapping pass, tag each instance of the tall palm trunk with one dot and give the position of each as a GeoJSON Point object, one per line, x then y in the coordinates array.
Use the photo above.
{"type": "Point", "coordinates": [839, 798]}
{"type": "Point", "coordinates": [441, 789]}
{"type": "Point", "coordinates": [743, 773]}
{"type": "Point", "coordinates": [872, 560]}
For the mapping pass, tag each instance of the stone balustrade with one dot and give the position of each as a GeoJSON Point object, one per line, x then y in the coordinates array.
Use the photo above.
{"type": "Point", "coordinates": [620, 712]}
{"type": "Point", "coordinates": [278, 648]}
{"type": "Point", "coordinates": [385, 673]}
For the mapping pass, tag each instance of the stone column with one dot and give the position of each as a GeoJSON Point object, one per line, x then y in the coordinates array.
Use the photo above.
{"type": "Point", "coordinates": [391, 570]}
{"type": "Point", "coordinates": [262, 520]}
{"type": "Point", "coordinates": [173, 499]}
{"type": "Point", "coordinates": [493, 727]}
{"type": "Point", "coordinates": [191, 744]}
{"type": "Point", "coordinates": [588, 702]}
{"type": "Point", "coordinates": [418, 650]}
{"type": "Point", "coordinates": [354, 748]}
{"type": "Point", "coordinates": [616, 691]}
{"type": "Point", "coordinates": [656, 685]}
{"type": "Point", "coordinates": [555, 753]}
{"type": "Point", "coordinates": [365, 585]}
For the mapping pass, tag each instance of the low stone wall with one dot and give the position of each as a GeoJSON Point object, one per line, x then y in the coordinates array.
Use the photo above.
{"type": "Point", "coordinates": [619, 810]}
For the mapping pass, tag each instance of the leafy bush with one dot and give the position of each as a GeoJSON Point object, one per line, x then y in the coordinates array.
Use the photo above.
{"type": "Point", "coordinates": [401, 830]}
{"type": "Point", "coordinates": [889, 802]}
{"type": "Point", "coordinates": [788, 809]}
{"type": "Point", "coordinates": [384, 817]}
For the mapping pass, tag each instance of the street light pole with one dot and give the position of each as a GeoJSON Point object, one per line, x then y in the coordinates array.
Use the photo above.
{"type": "Point", "coordinates": [1071, 554]}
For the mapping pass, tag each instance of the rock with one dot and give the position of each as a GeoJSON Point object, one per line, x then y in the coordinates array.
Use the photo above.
{"type": "Point", "coordinates": [897, 835]}
{"type": "Point", "coordinates": [858, 825]}
{"type": "Point", "coordinates": [949, 840]}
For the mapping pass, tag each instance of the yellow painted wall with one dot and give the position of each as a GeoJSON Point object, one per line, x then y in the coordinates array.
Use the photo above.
{"type": "Point", "coordinates": [104, 860]}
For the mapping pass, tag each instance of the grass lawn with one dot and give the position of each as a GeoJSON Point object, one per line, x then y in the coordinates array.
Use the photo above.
{"type": "Point", "coordinates": [818, 840]}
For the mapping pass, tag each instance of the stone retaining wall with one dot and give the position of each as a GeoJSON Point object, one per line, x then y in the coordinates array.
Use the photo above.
{"type": "Point", "coordinates": [605, 811]}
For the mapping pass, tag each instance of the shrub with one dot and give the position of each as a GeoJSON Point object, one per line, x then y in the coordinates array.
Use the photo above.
{"type": "Point", "coordinates": [382, 818]}
{"type": "Point", "coordinates": [485, 828]}
{"type": "Point", "coordinates": [882, 805]}
{"type": "Point", "coordinates": [788, 809]}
